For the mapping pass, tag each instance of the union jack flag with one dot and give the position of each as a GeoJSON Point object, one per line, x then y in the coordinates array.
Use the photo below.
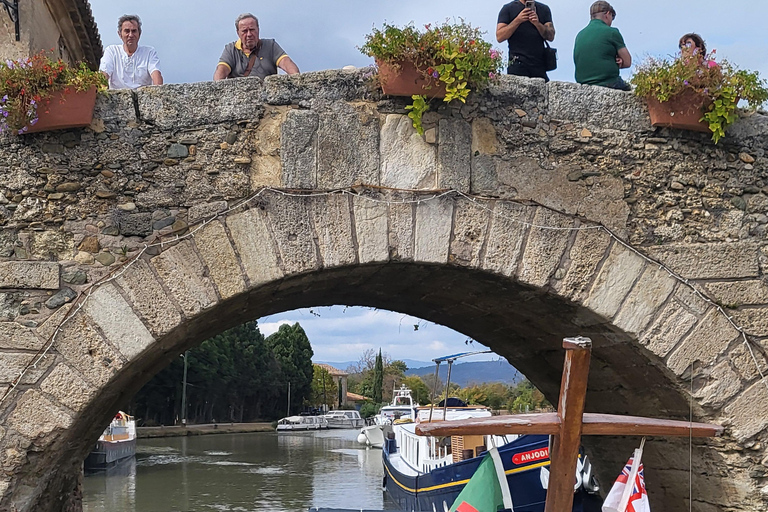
{"type": "Point", "coordinates": [638, 496]}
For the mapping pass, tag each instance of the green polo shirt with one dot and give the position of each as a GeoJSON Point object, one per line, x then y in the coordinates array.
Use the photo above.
{"type": "Point", "coordinates": [594, 53]}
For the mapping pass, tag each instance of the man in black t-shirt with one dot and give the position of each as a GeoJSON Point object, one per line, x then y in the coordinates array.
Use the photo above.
{"type": "Point", "coordinates": [526, 29]}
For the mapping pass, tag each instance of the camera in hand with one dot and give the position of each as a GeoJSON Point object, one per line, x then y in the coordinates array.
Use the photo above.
{"type": "Point", "coordinates": [530, 4]}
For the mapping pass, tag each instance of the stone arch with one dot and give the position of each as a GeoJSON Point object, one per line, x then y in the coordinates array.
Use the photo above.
{"type": "Point", "coordinates": [516, 276]}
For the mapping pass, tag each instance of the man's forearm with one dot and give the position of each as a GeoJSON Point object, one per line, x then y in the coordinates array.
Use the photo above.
{"type": "Point", "coordinates": [157, 78]}
{"type": "Point", "coordinates": [546, 30]}
{"type": "Point", "coordinates": [504, 32]}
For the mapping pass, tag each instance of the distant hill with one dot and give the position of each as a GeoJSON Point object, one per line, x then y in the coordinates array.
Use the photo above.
{"type": "Point", "coordinates": [476, 372]}
{"type": "Point", "coordinates": [410, 363]}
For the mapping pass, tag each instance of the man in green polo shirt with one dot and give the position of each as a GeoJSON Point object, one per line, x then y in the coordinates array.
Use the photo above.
{"type": "Point", "coordinates": [599, 51]}
{"type": "Point", "coordinates": [251, 56]}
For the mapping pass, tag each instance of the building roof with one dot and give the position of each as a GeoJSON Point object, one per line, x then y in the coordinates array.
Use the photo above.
{"type": "Point", "coordinates": [354, 397]}
{"type": "Point", "coordinates": [87, 32]}
{"type": "Point", "coordinates": [335, 372]}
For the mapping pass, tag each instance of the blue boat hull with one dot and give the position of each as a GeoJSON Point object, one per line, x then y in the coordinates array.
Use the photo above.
{"type": "Point", "coordinates": [440, 487]}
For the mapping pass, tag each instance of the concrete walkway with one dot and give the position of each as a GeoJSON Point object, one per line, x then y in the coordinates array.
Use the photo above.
{"type": "Point", "coordinates": [199, 430]}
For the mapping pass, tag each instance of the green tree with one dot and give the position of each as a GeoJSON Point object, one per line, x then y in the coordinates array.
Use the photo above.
{"type": "Point", "coordinates": [378, 378]}
{"type": "Point", "coordinates": [292, 350]}
{"type": "Point", "coordinates": [323, 387]}
{"type": "Point", "coordinates": [419, 390]}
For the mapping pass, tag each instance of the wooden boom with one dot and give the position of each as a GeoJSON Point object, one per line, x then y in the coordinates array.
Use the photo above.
{"type": "Point", "coordinates": [568, 424]}
{"type": "Point", "coordinates": [549, 423]}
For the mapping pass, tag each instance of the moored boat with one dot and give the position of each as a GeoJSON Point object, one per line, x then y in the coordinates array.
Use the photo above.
{"type": "Point", "coordinates": [425, 473]}
{"type": "Point", "coordinates": [344, 419]}
{"type": "Point", "coordinates": [401, 408]}
{"type": "Point", "coordinates": [117, 443]}
{"type": "Point", "coordinates": [292, 423]}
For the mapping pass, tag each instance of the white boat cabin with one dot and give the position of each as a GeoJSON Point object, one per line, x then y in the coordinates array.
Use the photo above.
{"type": "Point", "coordinates": [302, 423]}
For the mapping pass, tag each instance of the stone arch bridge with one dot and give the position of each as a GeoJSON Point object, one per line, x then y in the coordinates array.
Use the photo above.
{"type": "Point", "coordinates": [531, 213]}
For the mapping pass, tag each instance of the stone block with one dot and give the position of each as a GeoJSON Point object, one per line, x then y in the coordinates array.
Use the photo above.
{"type": "Point", "coordinates": [253, 242]}
{"type": "Point", "coordinates": [83, 347]}
{"type": "Point", "coordinates": [51, 245]}
{"type": "Point", "coordinates": [509, 227]}
{"type": "Point", "coordinates": [407, 161]}
{"type": "Point", "coordinates": [333, 226]}
{"type": "Point", "coordinates": [648, 295]}
{"type": "Point", "coordinates": [432, 233]}
{"type": "Point", "coordinates": [186, 278]}
{"type": "Point", "coordinates": [588, 250]}
{"type": "Point", "coordinates": [371, 230]}
{"type": "Point", "coordinates": [671, 326]}
{"type": "Point", "coordinates": [149, 299]}
{"type": "Point", "coordinates": [347, 146]}
{"type": "Point", "coordinates": [14, 363]}
{"type": "Point", "coordinates": [470, 229]}
{"type": "Point", "coordinates": [298, 140]}
{"type": "Point", "coordinates": [747, 412]}
{"type": "Point", "coordinates": [584, 104]}
{"type": "Point", "coordinates": [190, 105]}
{"type": "Point", "coordinates": [68, 388]}
{"type": "Point", "coordinates": [547, 241]}
{"type": "Point", "coordinates": [401, 231]}
{"type": "Point", "coordinates": [704, 344]}
{"type": "Point", "coordinates": [216, 250]}
{"type": "Point", "coordinates": [739, 293]}
{"type": "Point", "coordinates": [203, 211]}
{"type": "Point", "coordinates": [135, 224]}
{"type": "Point", "coordinates": [615, 280]}
{"type": "Point", "coordinates": [117, 320]}
{"type": "Point", "coordinates": [289, 219]}
{"type": "Point", "coordinates": [453, 154]}
{"type": "Point", "coordinates": [754, 321]}
{"type": "Point", "coordinates": [485, 141]}
{"type": "Point", "coordinates": [730, 260]}
{"type": "Point", "coordinates": [29, 275]}
{"type": "Point", "coordinates": [15, 336]}
{"type": "Point", "coordinates": [746, 361]}
{"type": "Point", "coordinates": [327, 85]}
{"type": "Point", "coordinates": [37, 417]}
{"type": "Point", "coordinates": [719, 385]}
{"type": "Point", "coordinates": [114, 108]}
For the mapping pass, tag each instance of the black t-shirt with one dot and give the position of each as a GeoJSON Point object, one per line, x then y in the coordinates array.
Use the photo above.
{"type": "Point", "coordinates": [526, 44]}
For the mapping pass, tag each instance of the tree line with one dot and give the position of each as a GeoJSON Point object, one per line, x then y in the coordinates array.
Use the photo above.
{"type": "Point", "coordinates": [236, 376]}
{"type": "Point", "coordinates": [376, 376]}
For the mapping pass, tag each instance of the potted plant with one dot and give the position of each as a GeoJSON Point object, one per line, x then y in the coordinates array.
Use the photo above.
{"type": "Point", "coordinates": [39, 93]}
{"type": "Point", "coordinates": [695, 93]}
{"type": "Point", "coordinates": [442, 61]}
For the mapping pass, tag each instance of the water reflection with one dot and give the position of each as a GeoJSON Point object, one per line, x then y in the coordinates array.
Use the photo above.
{"type": "Point", "coordinates": [243, 472]}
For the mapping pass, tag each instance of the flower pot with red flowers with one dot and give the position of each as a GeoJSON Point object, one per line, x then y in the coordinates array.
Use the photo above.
{"type": "Point", "coordinates": [443, 61]}
{"type": "Point", "coordinates": [695, 93]}
{"type": "Point", "coordinates": [39, 94]}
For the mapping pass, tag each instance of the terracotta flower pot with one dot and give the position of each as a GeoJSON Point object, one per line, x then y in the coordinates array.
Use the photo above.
{"type": "Point", "coordinates": [407, 81]}
{"type": "Point", "coordinates": [682, 111]}
{"type": "Point", "coordinates": [67, 108]}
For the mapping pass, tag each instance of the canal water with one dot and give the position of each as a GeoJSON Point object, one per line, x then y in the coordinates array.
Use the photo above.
{"type": "Point", "coordinates": [241, 473]}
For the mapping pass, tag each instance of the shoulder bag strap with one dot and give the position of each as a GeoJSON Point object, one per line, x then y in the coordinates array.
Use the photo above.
{"type": "Point", "coordinates": [251, 62]}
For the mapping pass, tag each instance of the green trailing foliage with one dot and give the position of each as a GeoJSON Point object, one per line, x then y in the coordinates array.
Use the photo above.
{"type": "Point", "coordinates": [722, 84]}
{"type": "Point", "coordinates": [454, 54]}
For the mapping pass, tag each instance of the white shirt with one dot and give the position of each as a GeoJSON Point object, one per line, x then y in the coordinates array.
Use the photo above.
{"type": "Point", "coordinates": [129, 72]}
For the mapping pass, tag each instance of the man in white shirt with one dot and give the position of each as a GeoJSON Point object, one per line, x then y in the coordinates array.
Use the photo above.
{"type": "Point", "coordinates": [129, 65]}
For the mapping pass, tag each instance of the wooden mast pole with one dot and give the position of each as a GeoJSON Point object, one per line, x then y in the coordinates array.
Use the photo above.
{"type": "Point", "coordinates": [565, 445]}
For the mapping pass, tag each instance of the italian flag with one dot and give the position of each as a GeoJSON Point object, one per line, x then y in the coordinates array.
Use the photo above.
{"type": "Point", "coordinates": [487, 490]}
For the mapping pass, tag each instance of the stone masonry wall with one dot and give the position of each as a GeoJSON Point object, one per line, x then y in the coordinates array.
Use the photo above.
{"type": "Point", "coordinates": [76, 205]}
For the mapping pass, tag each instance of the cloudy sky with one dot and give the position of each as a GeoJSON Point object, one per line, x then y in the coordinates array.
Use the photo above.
{"type": "Point", "coordinates": [324, 34]}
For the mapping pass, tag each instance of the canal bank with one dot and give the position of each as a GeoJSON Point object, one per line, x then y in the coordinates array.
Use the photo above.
{"type": "Point", "coordinates": [202, 430]}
